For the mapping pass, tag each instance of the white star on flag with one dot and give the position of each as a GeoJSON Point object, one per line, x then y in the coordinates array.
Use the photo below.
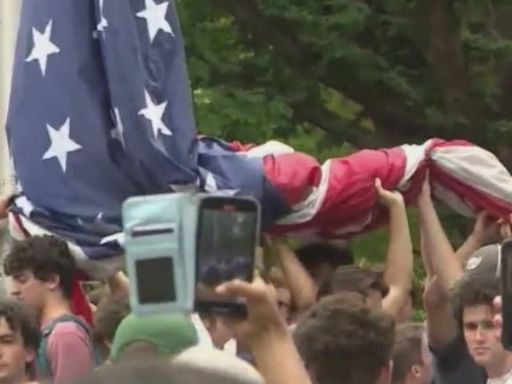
{"type": "Point", "coordinates": [43, 47]}
{"type": "Point", "coordinates": [184, 188]}
{"type": "Point", "coordinates": [61, 144]}
{"type": "Point", "coordinates": [154, 114]}
{"type": "Point", "coordinates": [103, 21]}
{"type": "Point", "coordinates": [155, 18]}
{"type": "Point", "coordinates": [118, 132]}
{"type": "Point", "coordinates": [103, 24]}
{"type": "Point", "coordinates": [118, 238]}
{"type": "Point", "coordinates": [210, 186]}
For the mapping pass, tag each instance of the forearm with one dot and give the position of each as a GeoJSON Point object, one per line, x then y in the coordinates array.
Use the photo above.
{"type": "Point", "coordinates": [399, 262]}
{"type": "Point", "coordinates": [443, 259]}
{"type": "Point", "coordinates": [278, 360]}
{"type": "Point", "coordinates": [301, 285]}
{"type": "Point", "coordinates": [441, 325]}
{"type": "Point", "coordinates": [427, 263]}
{"type": "Point", "coordinates": [470, 246]}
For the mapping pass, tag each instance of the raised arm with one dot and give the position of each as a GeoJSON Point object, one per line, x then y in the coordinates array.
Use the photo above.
{"type": "Point", "coordinates": [301, 285]}
{"type": "Point", "coordinates": [486, 231]}
{"type": "Point", "coordinates": [272, 346]}
{"type": "Point", "coordinates": [435, 248]}
{"type": "Point", "coordinates": [441, 324]}
{"type": "Point", "coordinates": [398, 273]}
{"type": "Point", "coordinates": [446, 266]}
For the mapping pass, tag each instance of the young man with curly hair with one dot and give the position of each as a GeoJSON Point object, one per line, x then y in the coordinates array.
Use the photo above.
{"type": "Point", "coordinates": [42, 272]}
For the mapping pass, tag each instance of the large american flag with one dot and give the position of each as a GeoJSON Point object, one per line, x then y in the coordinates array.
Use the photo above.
{"type": "Point", "coordinates": [101, 110]}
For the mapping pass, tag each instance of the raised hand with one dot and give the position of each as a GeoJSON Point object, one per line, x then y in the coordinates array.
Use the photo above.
{"type": "Point", "coordinates": [506, 228]}
{"type": "Point", "coordinates": [388, 198]}
{"type": "Point", "coordinates": [486, 229]}
{"type": "Point", "coordinates": [263, 317]}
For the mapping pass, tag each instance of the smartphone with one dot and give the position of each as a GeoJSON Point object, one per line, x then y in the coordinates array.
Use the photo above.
{"type": "Point", "coordinates": [506, 293]}
{"type": "Point", "coordinates": [227, 237]}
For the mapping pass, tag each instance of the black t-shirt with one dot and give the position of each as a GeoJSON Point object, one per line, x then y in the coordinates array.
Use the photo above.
{"type": "Point", "coordinates": [454, 365]}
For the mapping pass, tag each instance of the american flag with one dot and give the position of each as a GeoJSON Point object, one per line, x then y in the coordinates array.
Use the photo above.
{"type": "Point", "coordinates": [101, 110]}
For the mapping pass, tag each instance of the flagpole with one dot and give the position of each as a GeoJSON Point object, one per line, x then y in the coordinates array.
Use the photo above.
{"type": "Point", "coordinates": [9, 15]}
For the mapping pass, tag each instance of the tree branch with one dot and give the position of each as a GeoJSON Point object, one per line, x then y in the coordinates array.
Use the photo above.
{"type": "Point", "coordinates": [400, 119]}
{"type": "Point", "coordinates": [448, 59]}
{"type": "Point", "coordinates": [313, 111]}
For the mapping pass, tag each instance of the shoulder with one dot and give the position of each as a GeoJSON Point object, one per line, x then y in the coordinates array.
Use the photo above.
{"type": "Point", "coordinates": [68, 330]}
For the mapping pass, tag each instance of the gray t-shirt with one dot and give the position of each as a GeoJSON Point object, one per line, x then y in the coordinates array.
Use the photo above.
{"type": "Point", "coordinates": [454, 365]}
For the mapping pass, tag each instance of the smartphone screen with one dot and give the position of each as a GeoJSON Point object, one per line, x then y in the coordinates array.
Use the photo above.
{"type": "Point", "coordinates": [226, 242]}
{"type": "Point", "coordinates": [506, 293]}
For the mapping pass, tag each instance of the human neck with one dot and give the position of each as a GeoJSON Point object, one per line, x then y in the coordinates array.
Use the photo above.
{"type": "Point", "coordinates": [500, 367]}
{"type": "Point", "coordinates": [54, 308]}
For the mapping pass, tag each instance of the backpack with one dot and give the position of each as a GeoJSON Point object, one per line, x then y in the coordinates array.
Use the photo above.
{"type": "Point", "coordinates": [44, 368]}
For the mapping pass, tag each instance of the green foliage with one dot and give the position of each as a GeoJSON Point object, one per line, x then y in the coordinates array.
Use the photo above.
{"type": "Point", "coordinates": [331, 76]}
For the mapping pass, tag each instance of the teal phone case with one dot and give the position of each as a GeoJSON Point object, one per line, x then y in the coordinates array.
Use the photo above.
{"type": "Point", "coordinates": [151, 214]}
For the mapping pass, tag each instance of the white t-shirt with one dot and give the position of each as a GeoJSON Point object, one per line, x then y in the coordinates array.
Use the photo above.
{"type": "Point", "coordinates": [505, 379]}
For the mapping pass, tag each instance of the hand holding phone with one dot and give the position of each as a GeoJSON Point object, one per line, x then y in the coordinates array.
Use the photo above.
{"type": "Point", "coordinates": [227, 235]}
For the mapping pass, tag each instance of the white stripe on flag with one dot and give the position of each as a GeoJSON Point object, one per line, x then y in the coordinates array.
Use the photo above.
{"type": "Point", "coordinates": [414, 155]}
{"type": "Point", "coordinates": [309, 207]}
{"type": "Point", "coordinates": [475, 167]}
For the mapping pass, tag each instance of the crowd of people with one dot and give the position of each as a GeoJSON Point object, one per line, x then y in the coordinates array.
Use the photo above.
{"type": "Point", "coordinates": [314, 317]}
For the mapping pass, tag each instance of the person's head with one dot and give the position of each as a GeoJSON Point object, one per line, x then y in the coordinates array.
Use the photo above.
{"type": "Point", "coordinates": [111, 310]}
{"type": "Point", "coordinates": [157, 336]}
{"type": "Point", "coordinates": [133, 372]}
{"type": "Point", "coordinates": [187, 369]}
{"type": "Point", "coordinates": [364, 281]}
{"type": "Point", "coordinates": [211, 366]}
{"type": "Point", "coordinates": [412, 361]}
{"type": "Point", "coordinates": [40, 268]}
{"type": "Point", "coordinates": [219, 328]}
{"type": "Point", "coordinates": [472, 303]}
{"type": "Point", "coordinates": [342, 338]}
{"type": "Point", "coordinates": [321, 259]}
{"type": "Point", "coordinates": [19, 341]}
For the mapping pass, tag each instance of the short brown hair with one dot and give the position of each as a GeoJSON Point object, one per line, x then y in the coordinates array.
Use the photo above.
{"type": "Point", "coordinates": [341, 338]}
{"type": "Point", "coordinates": [473, 290]}
{"type": "Point", "coordinates": [357, 279]}
{"type": "Point", "coordinates": [44, 256]}
{"type": "Point", "coordinates": [407, 349]}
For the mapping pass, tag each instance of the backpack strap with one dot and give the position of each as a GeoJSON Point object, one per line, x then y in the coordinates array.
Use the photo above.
{"type": "Point", "coordinates": [43, 365]}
